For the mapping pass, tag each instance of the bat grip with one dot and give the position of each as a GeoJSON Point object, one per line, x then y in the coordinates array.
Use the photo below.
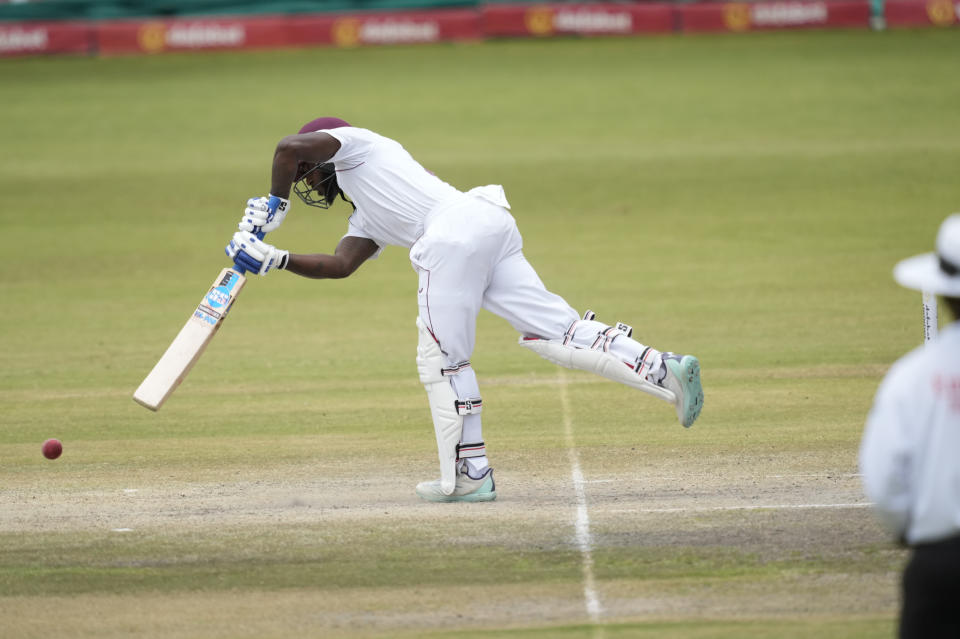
{"type": "Point", "coordinates": [240, 269]}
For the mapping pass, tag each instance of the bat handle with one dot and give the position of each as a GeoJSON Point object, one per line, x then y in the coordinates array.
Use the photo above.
{"type": "Point", "coordinates": [240, 269]}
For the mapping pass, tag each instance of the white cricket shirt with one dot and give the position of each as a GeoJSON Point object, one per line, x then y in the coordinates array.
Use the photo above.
{"type": "Point", "coordinates": [910, 453]}
{"type": "Point", "coordinates": [392, 191]}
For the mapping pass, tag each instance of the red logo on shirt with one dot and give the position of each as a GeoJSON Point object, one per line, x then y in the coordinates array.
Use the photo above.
{"type": "Point", "coordinates": [949, 388]}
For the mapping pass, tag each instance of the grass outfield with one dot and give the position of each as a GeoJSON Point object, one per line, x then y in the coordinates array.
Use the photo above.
{"type": "Point", "coordinates": [743, 198]}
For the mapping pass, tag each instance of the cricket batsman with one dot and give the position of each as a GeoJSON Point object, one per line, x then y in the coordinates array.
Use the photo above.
{"type": "Point", "coordinates": [467, 252]}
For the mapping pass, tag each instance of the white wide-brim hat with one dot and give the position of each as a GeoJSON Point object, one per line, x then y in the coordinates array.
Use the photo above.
{"type": "Point", "coordinates": [938, 272]}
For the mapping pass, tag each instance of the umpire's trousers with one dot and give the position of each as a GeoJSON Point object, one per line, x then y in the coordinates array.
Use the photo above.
{"type": "Point", "coordinates": [931, 592]}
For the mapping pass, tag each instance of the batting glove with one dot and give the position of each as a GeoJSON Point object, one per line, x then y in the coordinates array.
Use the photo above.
{"type": "Point", "coordinates": [264, 214]}
{"type": "Point", "coordinates": [255, 255]}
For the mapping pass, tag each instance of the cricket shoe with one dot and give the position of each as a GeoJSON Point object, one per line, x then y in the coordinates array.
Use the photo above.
{"type": "Point", "coordinates": [466, 489]}
{"type": "Point", "coordinates": [683, 379]}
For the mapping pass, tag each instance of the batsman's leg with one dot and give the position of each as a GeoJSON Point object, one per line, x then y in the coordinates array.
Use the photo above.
{"type": "Point", "coordinates": [452, 277]}
{"type": "Point", "coordinates": [464, 472]}
{"type": "Point", "coordinates": [551, 328]}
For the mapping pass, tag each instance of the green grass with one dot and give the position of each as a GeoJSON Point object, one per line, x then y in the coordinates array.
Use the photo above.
{"type": "Point", "coordinates": [781, 629]}
{"type": "Point", "coordinates": [743, 198]}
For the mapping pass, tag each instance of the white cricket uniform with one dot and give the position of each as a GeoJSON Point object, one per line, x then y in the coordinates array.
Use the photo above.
{"type": "Point", "coordinates": [465, 246]}
{"type": "Point", "coordinates": [468, 254]}
{"type": "Point", "coordinates": [908, 455]}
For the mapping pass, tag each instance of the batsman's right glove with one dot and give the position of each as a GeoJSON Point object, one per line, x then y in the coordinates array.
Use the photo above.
{"type": "Point", "coordinates": [255, 255]}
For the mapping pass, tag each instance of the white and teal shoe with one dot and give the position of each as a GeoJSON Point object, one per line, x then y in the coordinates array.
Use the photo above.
{"type": "Point", "coordinates": [467, 488]}
{"type": "Point", "coordinates": [683, 378]}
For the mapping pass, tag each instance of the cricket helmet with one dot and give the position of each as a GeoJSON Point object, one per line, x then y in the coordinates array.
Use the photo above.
{"type": "Point", "coordinates": [316, 184]}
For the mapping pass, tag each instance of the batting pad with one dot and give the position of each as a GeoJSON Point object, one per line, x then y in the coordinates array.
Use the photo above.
{"type": "Point", "coordinates": [447, 420]}
{"type": "Point", "coordinates": [595, 361]}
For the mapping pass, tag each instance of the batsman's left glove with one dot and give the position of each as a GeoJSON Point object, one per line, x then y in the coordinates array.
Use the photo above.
{"type": "Point", "coordinates": [254, 254]}
{"type": "Point", "coordinates": [264, 214]}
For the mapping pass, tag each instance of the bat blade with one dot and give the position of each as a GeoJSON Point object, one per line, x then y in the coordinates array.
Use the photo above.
{"type": "Point", "coordinates": [192, 340]}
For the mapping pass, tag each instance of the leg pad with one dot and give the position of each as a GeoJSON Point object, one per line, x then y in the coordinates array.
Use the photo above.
{"type": "Point", "coordinates": [447, 418]}
{"type": "Point", "coordinates": [595, 361]}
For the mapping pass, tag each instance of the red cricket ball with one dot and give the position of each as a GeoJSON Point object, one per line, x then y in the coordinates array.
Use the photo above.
{"type": "Point", "coordinates": [52, 448]}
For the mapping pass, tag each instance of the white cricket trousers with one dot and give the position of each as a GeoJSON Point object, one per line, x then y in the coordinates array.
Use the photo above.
{"type": "Point", "coordinates": [470, 257]}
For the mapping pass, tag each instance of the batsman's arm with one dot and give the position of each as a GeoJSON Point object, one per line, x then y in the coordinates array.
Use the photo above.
{"type": "Point", "coordinates": [350, 253]}
{"type": "Point", "coordinates": [291, 151]}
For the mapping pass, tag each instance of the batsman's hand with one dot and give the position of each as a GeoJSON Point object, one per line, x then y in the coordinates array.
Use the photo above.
{"type": "Point", "coordinates": [254, 254]}
{"type": "Point", "coordinates": [264, 214]}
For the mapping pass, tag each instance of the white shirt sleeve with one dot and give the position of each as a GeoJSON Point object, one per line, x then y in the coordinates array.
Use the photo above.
{"type": "Point", "coordinates": [886, 453]}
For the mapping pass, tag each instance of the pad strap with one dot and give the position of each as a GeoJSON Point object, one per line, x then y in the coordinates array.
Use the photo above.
{"type": "Point", "coordinates": [469, 406]}
{"type": "Point", "coordinates": [605, 338]}
{"type": "Point", "coordinates": [455, 369]}
{"type": "Point", "coordinates": [589, 316]}
{"type": "Point", "coordinates": [644, 362]}
{"type": "Point", "coordinates": [465, 451]}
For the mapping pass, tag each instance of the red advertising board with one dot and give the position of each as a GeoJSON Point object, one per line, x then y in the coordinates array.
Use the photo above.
{"type": "Point", "coordinates": [408, 27]}
{"type": "Point", "coordinates": [922, 13]}
{"type": "Point", "coordinates": [749, 16]}
{"type": "Point", "coordinates": [157, 36]}
{"type": "Point", "coordinates": [579, 19]}
{"type": "Point", "coordinates": [32, 38]}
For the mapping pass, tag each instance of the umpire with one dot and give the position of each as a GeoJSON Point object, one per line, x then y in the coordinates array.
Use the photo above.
{"type": "Point", "coordinates": [910, 454]}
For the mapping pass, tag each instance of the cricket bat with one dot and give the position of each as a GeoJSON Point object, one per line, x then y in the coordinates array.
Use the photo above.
{"type": "Point", "coordinates": [192, 340]}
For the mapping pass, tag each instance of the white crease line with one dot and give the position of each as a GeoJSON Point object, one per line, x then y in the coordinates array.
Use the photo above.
{"type": "Point", "coordinates": [687, 477]}
{"type": "Point", "coordinates": [762, 507]}
{"type": "Point", "coordinates": [582, 524]}
{"type": "Point", "coordinates": [825, 475]}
